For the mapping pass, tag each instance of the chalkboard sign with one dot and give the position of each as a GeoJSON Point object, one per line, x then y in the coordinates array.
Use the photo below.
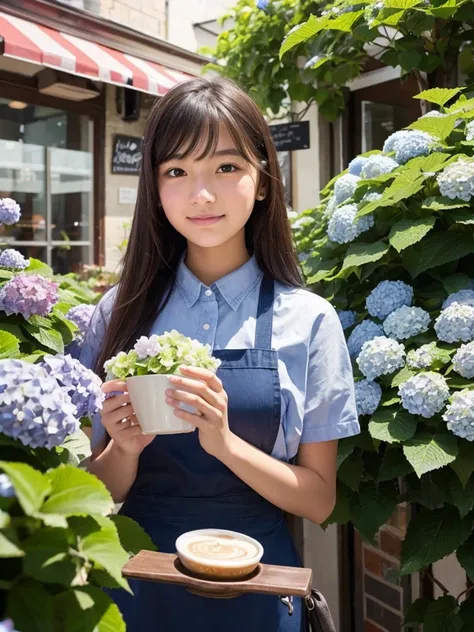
{"type": "Point", "coordinates": [290, 136]}
{"type": "Point", "coordinates": [126, 154]}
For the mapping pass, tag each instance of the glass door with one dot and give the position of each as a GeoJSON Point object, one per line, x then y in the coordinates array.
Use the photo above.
{"type": "Point", "coordinates": [46, 165]}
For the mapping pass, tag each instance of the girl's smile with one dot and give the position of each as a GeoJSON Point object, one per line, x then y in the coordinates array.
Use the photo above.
{"type": "Point", "coordinates": [206, 220]}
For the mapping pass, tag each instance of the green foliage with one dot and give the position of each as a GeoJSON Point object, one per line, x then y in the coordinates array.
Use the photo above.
{"type": "Point", "coordinates": [415, 237]}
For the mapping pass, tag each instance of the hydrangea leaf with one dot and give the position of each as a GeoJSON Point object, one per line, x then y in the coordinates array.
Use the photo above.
{"type": "Point", "coordinates": [341, 513]}
{"type": "Point", "coordinates": [78, 445]}
{"type": "Point", "coordinates": [9, 345]}
{"type": "Point", "coordinates": [443, 203]}
{"type": "Point", "coordinates": [466, 613]}
{"type": "Point", "coordinates": [394, 465]}
{"type": "Point", "coordinates": [440, 96]}
{"type": "Point", "coordinates": [49, 338]}
{"type": "Point", "coordinates": [417, 611]}
{"type": "Point", "coordinates": [350, 471]}
{"type": "Point", "coordinates": [432, 535]}
{"type": "Point", "coordinates": [8, 544]}
{"type": "Point", "coordinates": [87, 608]}
{"type": "Point", "coordinates": [373, 506]}
{"type": "Point", "coordinates": [461, 497]}
{"type": "Point", "coordinates": [303, 32]}
{"type": "Point", "coordinates": [321, 269]}
{"type": "Point", "coordinates": [47, 556]}
{"type": "Point", "coordinates": [465, 555]}
{"type": "Point", "coordinates": [435, 250]}
{"type": "Point", "coordinates": [132, 537]}
{"type": "Point", "coordinates": [31, 486]}
{"type": "Point", "coordinates": [442, 616]}
{"type": "Point", "coordinates": [408, 232]}
{"type": "Point", "coordinates": [5, 274]}
{"type": "Point", "coordinates": [432, 163]}
{"type": "Point", "coordinates": [463, 465]}
{"type": "Point", "coordinates": [360, 253]}
{"type": "Point", "coordinates": [39, 267]}
{"type": "Point", "coordinates": [439, 127]}
{"type": "Point", "coordinates": [344, 449]}
{"type": "Point", "coordinates": [402, 376]}
{"type": "Point", "coordinates": [344, 22]}
{"type": "Point", "coordinates": [392, 425]}
{"type": "Point", "coordinates": [30, 606]}
{"type": "Point", "coordinates": [406, 184]}
{"type": "Point", "coordinates": [427, 451]}
{"type": "Point", "coordinates": [74, 492]}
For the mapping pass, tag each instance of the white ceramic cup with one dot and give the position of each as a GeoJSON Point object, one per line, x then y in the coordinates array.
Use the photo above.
{"type": "Point", "coordinates": [148, 398]}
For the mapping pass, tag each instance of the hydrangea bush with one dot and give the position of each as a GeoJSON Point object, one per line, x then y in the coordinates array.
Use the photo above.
{"type": "Point", "coordinates": [59, 543]}
{"type": "Point", "coordinates": [404, 291]}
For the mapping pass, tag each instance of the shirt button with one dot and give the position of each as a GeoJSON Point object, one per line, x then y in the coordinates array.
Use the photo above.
{"type": "Point", "coordinates": [206, 326]}
{"type": "Point", "coordinates": [208, 292]}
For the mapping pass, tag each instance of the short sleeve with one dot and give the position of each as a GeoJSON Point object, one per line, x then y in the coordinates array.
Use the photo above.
{"type": "Point", "coordinates": [329, 407]}
{"type": "Point", "coordinates": [91, 349]}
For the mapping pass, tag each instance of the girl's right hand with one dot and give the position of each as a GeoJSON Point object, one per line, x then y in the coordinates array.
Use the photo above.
{"type": "Point", "coordinates": [127, 435]}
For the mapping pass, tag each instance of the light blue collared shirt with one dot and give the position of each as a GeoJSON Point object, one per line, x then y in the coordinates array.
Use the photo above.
{"type": "Point", "coordinates": [317, 386]}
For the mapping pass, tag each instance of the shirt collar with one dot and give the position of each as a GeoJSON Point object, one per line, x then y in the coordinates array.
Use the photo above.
{"type": "Point", "coordinates": [234, 287]}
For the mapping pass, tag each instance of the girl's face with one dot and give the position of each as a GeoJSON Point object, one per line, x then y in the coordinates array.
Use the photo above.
{"type": "Point", "coordinates": [209, 201]}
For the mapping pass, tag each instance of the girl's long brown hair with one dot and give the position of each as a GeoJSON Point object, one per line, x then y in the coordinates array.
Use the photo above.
{"type": "Point", "coordinates": [179, 121]}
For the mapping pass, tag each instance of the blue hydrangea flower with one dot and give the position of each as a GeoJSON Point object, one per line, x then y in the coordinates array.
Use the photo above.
{"type": "Point", "coordinates": [347, 318]}
{"type": "Point", "coordinates": [421, 358]}
{"type": "Point", "coordinates": [368, 395]}
{"type": "Point", "coordinates": [366, 330]}
{"type": "Point", "coordinates": [355, 165]}
{"type": "Point", "coordinates": [406, 322]}
{"type": "Point", "coordinates": [424, 394]}
{"type": "Point", "coordinates": [344, 187]}
{"type": "Point", "coordinates": [457, 180]}
{"type": "Point", "coordinates": [82, 385]}
{"type": "Point", "coordinates": [10, 211]}
{"type": "Point", "coordinates": [463, 360]}
{"type": "Point", "coordinates": [6, 489]}
{"type": "Point", "coordinates": [38, 412]}
{"type": "Point", "coordinates": [459, 415]}
{"type": "Point", "coordinates": [381, 356]}
{"type": "Point", "coordinates": [463, 297]}
{"type": "Point", "coordinates": [376, 165]}
{"type": "Point", "coordinates": [415, 143]}
{"type": "Point", "coordinates": [470, 131]}
{"type": "Point", "coordinates": [455, 323]}
{"type": "Point", "coordinates": [11, 258]}
{"type": "Point", "coordinates": [81, 316]}
{"type": "Point", "coordinates": [262, 4]}
{"type": "Point", "coordinates": [342, 228]}
{"type": "Point", "coordinates": [388, 296]}
{"type": "Point", "coordinates": [390, 142]}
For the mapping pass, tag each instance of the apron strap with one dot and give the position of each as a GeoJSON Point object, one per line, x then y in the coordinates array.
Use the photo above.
{"type": "Point", "coordinates": [264, 329]}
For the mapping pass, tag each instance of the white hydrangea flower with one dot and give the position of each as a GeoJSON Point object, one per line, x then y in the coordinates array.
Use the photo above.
{"type": "Point", "coordinates": [455, 323]}
{"type": "Point", "coordinates": [470, 131]}
{"type": "Point", "coordinates": [406, 322]}
{"type": "Point", "coordinates": [424, 394]}
{"type": "Point", "coordinates": [365, 331]}
{"type": "Point", "coordinates": [463, 361]}
{"type": "Point", "coordinates": [463, 297]}
{"type": "Point", "coordinates": [376, 165]}
{"type": "Point", "coordinates": [433, 114]}
{"type": "Point", "coordinates": [457, 180]}
{"type": "Point", "coordinates": [368, 395]}
{"type": "Point", "coordinates": [344, 187]}
{"type": "Point", "coordinates": [342, 228]}
{"type": "Point", "coordinates": [381, 356]}
{"type": "Point", "coordinates": [388, 296]}
{"type": "Point", "coordinates": [459, 415]}
{"type": "Point", "coordinates": [421, 358]}
{"type": "Point", "coordinates": [330, 208]}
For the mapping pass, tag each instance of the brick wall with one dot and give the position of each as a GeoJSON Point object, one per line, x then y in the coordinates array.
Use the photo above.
{"type": "Point", "coordinates": [384, 593]}
{"type": "Point", "coordinates": [148, 16]}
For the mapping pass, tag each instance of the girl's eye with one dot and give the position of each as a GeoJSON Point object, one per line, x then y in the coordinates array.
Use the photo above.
{"type": "Point", "coordinates": [228, 168]}
{"type": "Point", "coordinates": [175, 172]}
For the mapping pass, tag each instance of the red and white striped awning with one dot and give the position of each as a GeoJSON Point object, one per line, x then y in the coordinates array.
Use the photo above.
{"type": "Point", "coordinates": [33, 42]}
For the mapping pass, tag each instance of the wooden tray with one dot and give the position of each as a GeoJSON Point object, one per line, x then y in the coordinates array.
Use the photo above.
{"type": "Point", "coordinates": [284, 581]}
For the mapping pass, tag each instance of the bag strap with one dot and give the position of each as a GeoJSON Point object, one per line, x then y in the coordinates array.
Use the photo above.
{"type": "Point", "coordinates": [320, 619]}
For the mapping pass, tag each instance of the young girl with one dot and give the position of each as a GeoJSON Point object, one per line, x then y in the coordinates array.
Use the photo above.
{"type": "Point", "coordinates": [211, 255]}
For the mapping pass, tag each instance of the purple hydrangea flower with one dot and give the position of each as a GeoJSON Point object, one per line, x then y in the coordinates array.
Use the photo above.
{"type": "Point", "coordinates": [11, 258]}
{"type": "Point", "coordinates": [28, 295]}
{"type": "Point", "coordinates": [37, 411]}
{"type": "Point", "coordinates": [81, 316]}
{"type": "Point", "coordinates": [262, 4]}
{"type": "Point", "coordinates": [81, 384]}
{"type": "Point", "coordinates": [10, 211]}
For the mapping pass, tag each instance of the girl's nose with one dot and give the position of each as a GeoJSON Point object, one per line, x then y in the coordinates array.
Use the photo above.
{"type": "Point", "coordinates": [201, 194]}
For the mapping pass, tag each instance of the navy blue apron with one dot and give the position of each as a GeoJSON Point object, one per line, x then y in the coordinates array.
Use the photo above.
{"type": "Point", "coordinates": [179, 487]}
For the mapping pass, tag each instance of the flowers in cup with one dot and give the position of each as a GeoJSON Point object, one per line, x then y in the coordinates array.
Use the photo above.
{"type": "Point", "coordinates": [162, 354]}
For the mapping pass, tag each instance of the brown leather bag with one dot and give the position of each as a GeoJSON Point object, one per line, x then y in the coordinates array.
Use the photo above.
{"type": "Point", "coordinates": [319, 616]}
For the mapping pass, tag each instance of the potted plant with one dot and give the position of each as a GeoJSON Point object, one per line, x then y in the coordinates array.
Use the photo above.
{"type": "Point", "coordinates": [147, 368]}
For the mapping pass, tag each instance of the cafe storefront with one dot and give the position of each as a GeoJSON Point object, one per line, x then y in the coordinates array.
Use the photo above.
{"type": "Point", "coordinates": [73, 86]}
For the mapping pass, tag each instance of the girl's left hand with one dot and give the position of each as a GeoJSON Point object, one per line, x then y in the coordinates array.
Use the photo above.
{"type": "Point", "coordinates": [205, 393]}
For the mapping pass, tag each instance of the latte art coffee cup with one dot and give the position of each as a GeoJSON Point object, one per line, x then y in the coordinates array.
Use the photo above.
{"type": "Point", "coordinates": [219, 554]}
